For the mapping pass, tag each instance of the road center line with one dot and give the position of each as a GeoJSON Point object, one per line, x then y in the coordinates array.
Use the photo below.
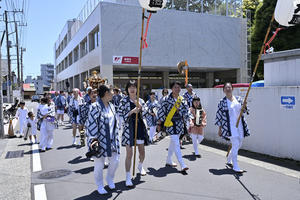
{"type": "Point", "coordinates": [40, 192]}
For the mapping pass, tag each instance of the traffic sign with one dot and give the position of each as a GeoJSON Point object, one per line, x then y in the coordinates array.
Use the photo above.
{"type": "Point", "coordinates": [288, 102]}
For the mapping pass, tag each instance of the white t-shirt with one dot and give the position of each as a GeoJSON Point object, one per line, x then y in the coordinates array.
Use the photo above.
{"type": "Point", "coordinates": [22, 113]}
{"type": "Point", "coordinates": [33, 125]}
{"type": "Point", "coordinates": [111, 119]}
{"type": "Point", "coordinates": [234, 108]}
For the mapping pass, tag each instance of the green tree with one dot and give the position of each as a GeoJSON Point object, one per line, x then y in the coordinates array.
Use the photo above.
{"type": "Point", "coordinates": [285, 40]}
{"type": "Point", "coordinates": [250, 6]}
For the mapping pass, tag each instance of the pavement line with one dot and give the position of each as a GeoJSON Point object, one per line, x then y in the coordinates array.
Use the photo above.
{"type": "Point", "coordinates": [269, 166]}
{"type": "Point", "coordinates": [36, 160]}
{"type": "Point", "coordinates": [40, 192]}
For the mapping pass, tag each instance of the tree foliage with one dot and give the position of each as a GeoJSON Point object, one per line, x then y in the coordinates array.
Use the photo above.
{"type": "Point", "coordinates": [285, 40]}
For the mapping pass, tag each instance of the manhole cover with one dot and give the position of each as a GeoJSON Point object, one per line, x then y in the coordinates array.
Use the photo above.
{"type": "Point", "coordinates": [14, 154]}
{"type": "Point", "coordinates": [55, 174]}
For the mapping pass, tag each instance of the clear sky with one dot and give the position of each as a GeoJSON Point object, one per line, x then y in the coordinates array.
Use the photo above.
{"type": "Point", "coordinates": [45, 20]}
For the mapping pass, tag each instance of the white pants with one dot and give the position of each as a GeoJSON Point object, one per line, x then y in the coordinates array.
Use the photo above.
{"type": "Point", "coordinates": [175, 147]}
{"type": "Point", "coordinates": [99, 165]}
{"type": "Point", "coordinates": [236, 145]}
{"type": "Point", "coordinates": [152, 132]}
{"type": "Point", "coordinates": [197, 139]}
{"type": "Point", "coordinates": [22, 125]}
{"type": "Point", "coordinates": [46, 137]}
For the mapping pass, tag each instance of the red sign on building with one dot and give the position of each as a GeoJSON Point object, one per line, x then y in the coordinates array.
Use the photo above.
{"type": "Point", "coordinates": [127, 60]}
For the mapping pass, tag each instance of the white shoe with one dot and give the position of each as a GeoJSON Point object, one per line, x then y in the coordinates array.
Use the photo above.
{"type": "Point", "coordinates": [141, 169]}
{"type": "Point", "coordinates": [74, 141]}
{"type": "Point", "coordinates": [101, 190]}
{"type": "Point", "coordinates": [128, 182]}
{"type": "Point", "coordinates": [171, 164]}
{"type": "Point", "coordinates": [110, 183]}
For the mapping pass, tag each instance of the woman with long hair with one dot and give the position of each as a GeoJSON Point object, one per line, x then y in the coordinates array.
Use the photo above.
{"type": "Point", "coordinates": [128, 109]}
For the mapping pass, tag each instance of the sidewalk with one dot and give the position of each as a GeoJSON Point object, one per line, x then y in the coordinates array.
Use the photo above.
{"type": "Point", "coordinates": [15, 173]}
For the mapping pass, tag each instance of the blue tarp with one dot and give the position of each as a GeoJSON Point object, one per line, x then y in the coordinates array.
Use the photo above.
{"type": "Point", "coordinates": [260, 83]}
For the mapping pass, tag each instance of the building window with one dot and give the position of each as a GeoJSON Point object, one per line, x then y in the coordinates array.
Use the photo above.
{"type": "Point", "coordinates": [66, 62]}
{"type": "Point", "coordinates": [83, 47]}
{"type": "Point", "coordinates": [76, 54]}
{"type": "Point", "coordinates": [94, 38]}
{"type": "Point", "coordinates": [70, 59]}
{"type": "Point", "coordinates": [65, 41]}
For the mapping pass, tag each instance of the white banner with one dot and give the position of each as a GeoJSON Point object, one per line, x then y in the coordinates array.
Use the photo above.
{"type": "Point", "coordinates": [287, 12]}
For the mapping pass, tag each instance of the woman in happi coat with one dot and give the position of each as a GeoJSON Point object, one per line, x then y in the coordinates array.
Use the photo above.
{"type": "Point", "coordinates": [102, 137]}
{"type": "Point", "coordinates": [152, 108]}
{"type": "Point", "coordinates": [74, 112]}
{"type": "Point", "coordinates": [180, 121]}
{"type": "Point", "coordinates": [227, 114]}
{"type": "Point", "coordinates": [128, 109]}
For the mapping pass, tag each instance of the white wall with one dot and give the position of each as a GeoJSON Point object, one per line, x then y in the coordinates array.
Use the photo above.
{"type": "Point", "coordinates": [274, 129]}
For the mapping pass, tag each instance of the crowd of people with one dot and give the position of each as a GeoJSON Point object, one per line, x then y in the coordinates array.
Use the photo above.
{"type": "Point", "coordinates": [106, 112]}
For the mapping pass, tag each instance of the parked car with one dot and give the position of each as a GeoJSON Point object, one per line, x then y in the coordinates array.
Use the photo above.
{"type": "Point", "coordinates": [35, 98]}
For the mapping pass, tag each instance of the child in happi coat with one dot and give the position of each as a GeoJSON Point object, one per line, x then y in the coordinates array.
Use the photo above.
{"type": "Point", "coordinates": [197, 124]}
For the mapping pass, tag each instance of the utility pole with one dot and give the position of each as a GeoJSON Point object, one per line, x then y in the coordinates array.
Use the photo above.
{"type": "Point", "coordinates": [1, 93]}
{"type": "Point", "coordinates": [17, 48]}
{"type": "Point", "coordinates": [8, 45]}
{"type": "Point", "coordinates": [22, 91]}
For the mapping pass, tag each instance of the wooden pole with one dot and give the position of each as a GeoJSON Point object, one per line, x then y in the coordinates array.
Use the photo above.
{"type": "Point", "coordinates": [138, 90]}
{"type": "Point", "coordinates": [186, 74]}
{"type": "Point", "coordinates": [254, 72]}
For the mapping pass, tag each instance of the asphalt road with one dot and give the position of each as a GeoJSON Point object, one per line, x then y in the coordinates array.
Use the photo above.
{"type": "Point", "coordinates": [208, 178]}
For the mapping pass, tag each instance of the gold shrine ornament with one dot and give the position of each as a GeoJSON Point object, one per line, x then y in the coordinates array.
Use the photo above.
{"type": "Point", "coordinates": [96, 80]}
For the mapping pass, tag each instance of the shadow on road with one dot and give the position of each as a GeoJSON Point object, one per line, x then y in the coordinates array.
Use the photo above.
{"type": "Point", "coordinates": [228, 171]}
{"type": "Point", "coordinates": [162, 172]}
{"type": "Point", "coordinates": [78, 160]}
{"type": "Point", "coordinates": [86, 170]}
{"type": "Point", "coordinates": [120, 187]}
{"type": "Point", "coordinates": [225, 171]}
{"type": "Point", "coordinates": [288, 163]}
{"type": "Point", "coordinates": [68, 147]}
{"type": "Point", "coordinates": [25, 144]}
{"type": "Point", "coordinates": [191, 157]}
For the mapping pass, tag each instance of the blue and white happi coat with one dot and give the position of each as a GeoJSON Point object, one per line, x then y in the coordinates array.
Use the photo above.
{"type": "Point", "coordinates": [183, 111]}
{"type": "Point", "coordinates": [98, 128]}
{"type": "Point", "coordinates": [151, 120]}
{"type": "Point", "coordinates": [189, 98]}
{"type": "Point", "coordinates": [223, 119]}
{"type": "Point", "coordinates": [128, 131]}
{"type": "Point", "coordinates": [84, 109]}
{"type": "Point", "coordinates": [72, 108]}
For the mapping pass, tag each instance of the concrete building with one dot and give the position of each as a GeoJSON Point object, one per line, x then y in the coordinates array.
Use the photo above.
{"type": "Point", "coordinates": [282, 68]}
{"type": "Point", "coordinates": [47, 74]}
{"type": "Point", "coordinates": [29, 79]}
{"type": "Point", "coordinates": [107, 40]}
